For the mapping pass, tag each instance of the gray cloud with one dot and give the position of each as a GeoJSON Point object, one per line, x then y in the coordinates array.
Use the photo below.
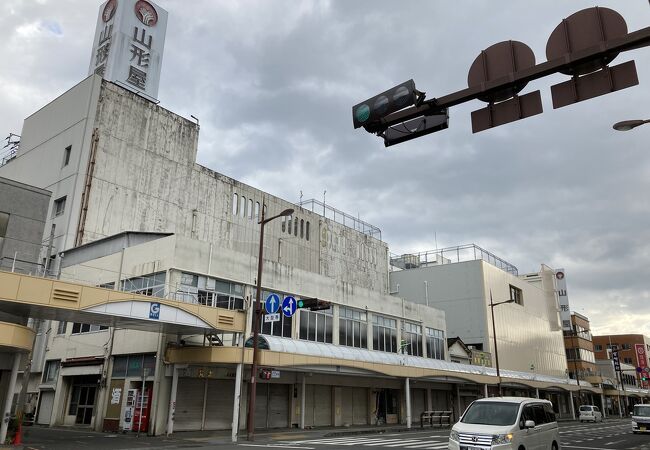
{"type": "Point", "coordinates": [273, 84]}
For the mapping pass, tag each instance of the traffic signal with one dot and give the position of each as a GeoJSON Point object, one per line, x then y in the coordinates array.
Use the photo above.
{"type": "Point", "coordinates": [313, 304]}
{"type": "Point", "coordinates": [265, 374]}
{"type": "Point", "coordinates": [368, 114]}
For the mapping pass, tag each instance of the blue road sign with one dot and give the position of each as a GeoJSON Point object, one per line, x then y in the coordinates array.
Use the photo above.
{"type": "Point", "coordinates": [272, 303]}
{"type": "Point", "coordinates": [289, 306]}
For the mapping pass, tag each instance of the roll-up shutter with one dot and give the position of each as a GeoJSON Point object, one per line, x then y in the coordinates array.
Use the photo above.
{"type": "Point", "coordinates": [261, 405]}
{"type": "Point", "coordinates": [418, 403]}
{"type": "Point", "coordinates": [359, 406]}
{"type": "Point", "coordinates": [309, 405]}
{"type": "Point", "coordinates": [45, 408]}
{"type": "Point", "coordinates": [347, 405]}
{"type": "Point", "coordinates": [189, 404]}
{"type": "Point", "coordinates": [278, 411]}
{"type": "Point", "coordinates": [219, 406]}
{"type": "Point", "coordinates": [322, 406]}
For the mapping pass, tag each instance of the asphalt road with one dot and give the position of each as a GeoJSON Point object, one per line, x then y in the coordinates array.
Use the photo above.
{"type": "Point", "coordinates": [613, 434]}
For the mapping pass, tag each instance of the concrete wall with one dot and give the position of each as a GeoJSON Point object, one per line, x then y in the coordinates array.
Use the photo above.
{"type": "Point", "coordinates": [66, 121]}
{"type": "Point", "coordinates": [27, 208]}
{"type": "Point", "coordinates": [527, 334]}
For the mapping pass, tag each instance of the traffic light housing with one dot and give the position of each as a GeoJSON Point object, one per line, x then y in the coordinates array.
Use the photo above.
{"type": "Point", "coordinates": [369, 113]}
{"type": "Point", "coordinates": [313, 304]}
{"type": "Point", "coordinates": [265, 374]}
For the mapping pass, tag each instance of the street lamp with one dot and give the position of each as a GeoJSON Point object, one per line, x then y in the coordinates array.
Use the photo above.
{"type": "Point", "coordinates": [627, 125]}
{"type": "Point", "coordinates": [250, 424]}
{"type": "Point", "coordinates": [494, 334]}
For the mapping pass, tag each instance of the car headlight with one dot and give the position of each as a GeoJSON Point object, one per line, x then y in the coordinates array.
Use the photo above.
{"type": "Point", "coordinates": [501, 439]}
{"type": "Point", "coordinates": [453, 435]}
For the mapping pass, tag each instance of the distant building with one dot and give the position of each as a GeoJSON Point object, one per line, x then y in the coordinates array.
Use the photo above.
{"type": "Point", "coordinates": [458, 351]}
{"type": "Point", "coordinates": [633, 349]}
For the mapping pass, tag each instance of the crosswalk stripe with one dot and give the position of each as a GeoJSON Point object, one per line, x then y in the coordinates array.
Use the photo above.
{"type": "Point", "coordinates": [404, 443]}
{"type": "Point", "coordinates": [429, 445]}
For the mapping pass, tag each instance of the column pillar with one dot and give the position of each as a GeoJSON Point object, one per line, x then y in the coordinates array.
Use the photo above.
{"type": "Point", "coordinates": [236, 402]}
{"type": "Point", "coordinates": [6, 416]}
{"type": "Point", "coordinates": [172, 401]}
{"type": "Point", "coordinates": [407, 389]}
{"type": "Point", "coordinates": [573, 409]}
{"type": "Point", "coordinates": [302, 402]}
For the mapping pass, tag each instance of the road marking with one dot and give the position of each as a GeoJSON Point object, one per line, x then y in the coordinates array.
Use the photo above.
{"type": "Point", "coordinates": [275, 446]}
{"type": "Point", "coordinates": [586, 448]}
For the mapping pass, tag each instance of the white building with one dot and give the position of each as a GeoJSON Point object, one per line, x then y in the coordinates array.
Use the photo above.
{"type": "Point", "coordinates": [131, 207]}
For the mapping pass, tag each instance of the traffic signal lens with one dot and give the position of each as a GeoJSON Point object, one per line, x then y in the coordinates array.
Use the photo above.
{"type": "Point", "coordinates": [381, 105]}
{"type": "Point", "coordinates": [300, 304]}
{"type": "Point", "coordinates": [402, 96]}
{"type": "Point", "coordinates": [362, 113]}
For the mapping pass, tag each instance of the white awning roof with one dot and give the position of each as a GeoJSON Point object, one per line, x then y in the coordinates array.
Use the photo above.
{"type": "Point", "coordinates": [319, 349]}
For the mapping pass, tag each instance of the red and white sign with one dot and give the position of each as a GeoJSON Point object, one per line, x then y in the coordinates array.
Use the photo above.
{"type": "Point", "coordinates": [642, 360]}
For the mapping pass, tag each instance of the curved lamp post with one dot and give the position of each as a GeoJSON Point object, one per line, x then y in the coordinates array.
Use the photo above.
{"type": "Point", "coordinates": [627, 125]}
{"type": "Point", "coordinates": [494, 334]}
{"type": "Point", "coordinates": [250, 423]}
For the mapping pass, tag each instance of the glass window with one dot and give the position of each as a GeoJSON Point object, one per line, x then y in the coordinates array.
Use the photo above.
{"type": "Point", "coordinates": [59, 206]}
{"type": "Point", "coordinates": [257, 211]}
{"type": "Point", "coordinates": [119, 366]}
{"type": "Point", "coordinates": [353, 327]}
{"type": "Point", "coordinates": [51, 371]}
{"type": "Point", "coordinates": [4, 222]}
{"type": "Point", "coordinates": [316, 325]}
{"type": "Point", "coordinates": [384, 334]}
{"type": "Point", "coordinates": [295, 227]}
{"type": "Point", "coordinates": [134, 366]}
{"type": "Point", "coordinates": [152, 284]}
{"type": "Point", "coordinates": [435, 343]}
{"type": "Point", "coordinates": [62, 327]}
{"type": "Point", "coordinates": [66, 155]}
{"type": "Point", "coordinates": [517, 295]}
{"type": "Point", "coordinates": [80, 328]}
{"type": "Point", "coordinates": [250, 208]}
{"type": "Point", "coordinates": [412, 339]}
{"type": "Point", "coordinates": [235, 204]}
{"type": "Point", "coordinates": [284, 224]}
{"type": "Point", "coordinates": [289, 218]}
{"type": "Point", "coordinates": [307, 231]}
{"type": "Point", "coordinates": [242, 207]}
{"type": "Point", "coordinates": [302, 228]}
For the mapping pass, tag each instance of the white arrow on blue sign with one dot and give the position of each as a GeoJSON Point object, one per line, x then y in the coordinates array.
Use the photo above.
{"type": "Point", "coordinates": [289, 306]}
{"type": "Point", "coordinates": [272, 303]}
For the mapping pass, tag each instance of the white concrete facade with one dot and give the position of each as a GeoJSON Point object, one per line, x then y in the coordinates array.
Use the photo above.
{"type": "Point", "coordinates": [529, 335]}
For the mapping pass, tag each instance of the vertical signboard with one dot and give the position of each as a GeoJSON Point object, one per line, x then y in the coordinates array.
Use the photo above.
{"type": "Point", "coordinates": [642, 361]}
{"type": "Point", "coordinates": [616, 361]}
{"type": "Point", "coordinates": [563, 298]}
{"type": "Point", "coordinates": [128, 45]}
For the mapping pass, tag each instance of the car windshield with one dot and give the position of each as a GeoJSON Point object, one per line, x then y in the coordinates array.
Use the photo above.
{"type": "Point", "coordinates": [642, 410]}
{"type": "Point", "coordinates": [491, 413]}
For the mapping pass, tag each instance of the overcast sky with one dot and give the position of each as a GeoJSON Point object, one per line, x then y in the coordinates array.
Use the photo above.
{"type": "Point", "coordinates": [273, 83]}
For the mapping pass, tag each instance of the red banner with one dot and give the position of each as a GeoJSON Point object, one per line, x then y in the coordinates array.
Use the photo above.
{"type": "Point", "coordinates": [642, 360]}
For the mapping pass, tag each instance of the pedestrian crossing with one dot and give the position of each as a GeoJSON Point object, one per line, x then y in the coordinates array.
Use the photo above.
{"type": "Point", "coordinates": [403, 441]}
{"type": "Point", "coordinates": [604, 434]}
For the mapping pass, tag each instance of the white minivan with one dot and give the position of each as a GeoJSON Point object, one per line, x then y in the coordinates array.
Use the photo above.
{"type": "Point", "coordinates": [590, 413]}
{"type": "Point", "coordinates": [506, 423]}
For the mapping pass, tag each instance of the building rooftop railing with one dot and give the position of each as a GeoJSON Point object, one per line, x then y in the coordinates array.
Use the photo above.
{"type": "Point", "coordinates": [461, 253]}
{"type": "Point", "coordinates": [340, 217]}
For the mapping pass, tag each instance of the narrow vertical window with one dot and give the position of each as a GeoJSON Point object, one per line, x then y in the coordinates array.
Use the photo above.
{"type": "Point", "coordinates": [257, 211]}
{"type": "Point", "coordinates": [302, 228]}
{"type": "Point", "coordinates": [243, 206]}
{"type": "Point", "coordinates": [295, 227]}
{"type": "Point", "coordinates": [307, 231]}
{"type": "Point", "coordinates": [289, 224]}
{"type": "Point", "coordinates": [66, 155]}
{"type": "Point", "coordinates": [235, 204]}
{"type": "Point", "coordinates": [250, 208]}
{"type": "Point", "coordinates": [59, 206]}
{"type": "Point", "coordinates": [284, 223]}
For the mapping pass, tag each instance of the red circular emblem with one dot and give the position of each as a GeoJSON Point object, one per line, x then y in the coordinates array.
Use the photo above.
{"type": "Point", "coordinates": [146, 13]}
{"type": "Point", "coordinates": [109, 10]}
{"type": "Point", "coordinates": [559, 275]}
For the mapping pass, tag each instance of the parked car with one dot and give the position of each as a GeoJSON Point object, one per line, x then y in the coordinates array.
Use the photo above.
{"type": "Point", "coordinates": [590, 413]}
{"type": "Point", "coordinates": [641, 419]}
{"type": "Point", "coordinates": [506, 423]}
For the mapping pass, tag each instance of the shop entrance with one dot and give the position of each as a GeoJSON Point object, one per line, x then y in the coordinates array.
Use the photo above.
{"type": "Point", "coordinates": [386, 406]}
{"type": "Point", "coordinates": [82, 400]}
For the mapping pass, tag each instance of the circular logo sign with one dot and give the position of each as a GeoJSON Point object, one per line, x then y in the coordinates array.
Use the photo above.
{"type": "Point", "coordinates": [109, 10]}
{"type": "Point", "coordinates": [640, 350]}
{"type": "Point", "coordinates": [559, 275]}
{"type": "Point", "coordinates": [146, 13]}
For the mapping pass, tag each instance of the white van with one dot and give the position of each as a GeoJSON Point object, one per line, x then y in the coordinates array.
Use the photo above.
{"type": "Point", "coordinates": [641, 419]}
{"type": "Point", "coordinates": [506, 423]}
{"type": "Point", "coordinates": [590, 413]}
